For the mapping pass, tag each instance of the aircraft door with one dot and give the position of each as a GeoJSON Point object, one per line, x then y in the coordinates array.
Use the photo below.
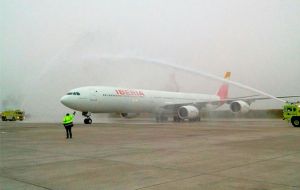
{"type": "Point", "coordinates": [93, 95]}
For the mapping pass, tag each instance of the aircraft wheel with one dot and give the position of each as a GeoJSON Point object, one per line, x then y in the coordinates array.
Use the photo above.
{"type": "Point", "coordinates": [158, 118]}
{"type": "Point", "coordinates": [176, 118]}
{"type": "Point", "coordinates": [88, 121]}
{"type": "Point", "coordinates": [164, 118]}
{"type": "Point", "coordinates": [295, 121]}
{"type": "Point", "coordinates": [195, 119]}
{"type": "Point", "coordinates": [161, 118]}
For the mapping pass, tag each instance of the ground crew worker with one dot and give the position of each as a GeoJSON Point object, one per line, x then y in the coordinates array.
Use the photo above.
{"type": "Point", "coordinates": [68, 123]}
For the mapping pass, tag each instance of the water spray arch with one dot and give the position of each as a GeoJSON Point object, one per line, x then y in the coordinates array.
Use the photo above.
{"type": "Point", "coordinates": [193, 71]}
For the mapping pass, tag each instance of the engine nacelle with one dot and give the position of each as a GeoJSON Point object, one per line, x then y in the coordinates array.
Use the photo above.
{"type": "Point", "coordinates": [239, 107]}
{"type": "Point", "coordinates": [188, 112]}
{"type": "Point", "coordinates": [129, 115]}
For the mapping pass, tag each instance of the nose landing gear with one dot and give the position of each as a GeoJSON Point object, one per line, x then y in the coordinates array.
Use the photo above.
{"type": "Point", "coordinates": [87, 120]}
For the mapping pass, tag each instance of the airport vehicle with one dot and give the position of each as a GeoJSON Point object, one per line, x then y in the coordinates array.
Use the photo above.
{"type": "Point", "coordinates": [12, 115]}
{"type": "Point", "coordinates": [291, 113]}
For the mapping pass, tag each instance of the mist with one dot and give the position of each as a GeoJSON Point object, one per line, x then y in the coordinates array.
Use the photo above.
{"type": "Point", "coordinates": [49, 47]}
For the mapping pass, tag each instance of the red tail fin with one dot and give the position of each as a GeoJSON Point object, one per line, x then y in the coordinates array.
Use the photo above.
{"type": "Point", "coordinates": [223, 90]}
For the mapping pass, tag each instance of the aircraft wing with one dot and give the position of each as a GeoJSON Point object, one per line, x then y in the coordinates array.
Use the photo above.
{"type": "Point", "coordinates": [249, 99]}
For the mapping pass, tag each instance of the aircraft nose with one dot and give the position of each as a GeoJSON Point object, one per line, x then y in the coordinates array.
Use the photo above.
{"type": "Point", "coordinates": [65, 100]}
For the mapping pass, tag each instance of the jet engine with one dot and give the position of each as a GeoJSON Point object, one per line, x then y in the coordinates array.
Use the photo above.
{"type": "Point", "coordinates": [129, 115]}
{"type": "Point", "coordinates": [239, 107]}
{"type": "Point", "coordinates": [188, 112]}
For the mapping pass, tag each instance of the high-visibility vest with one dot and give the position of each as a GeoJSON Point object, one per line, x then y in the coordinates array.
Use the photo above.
{"type": "Point", "coordinates": [68, 119]}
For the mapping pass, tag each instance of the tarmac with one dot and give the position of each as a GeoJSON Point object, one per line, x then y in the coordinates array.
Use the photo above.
{"type": "Point", "coordinates": [220, 154]}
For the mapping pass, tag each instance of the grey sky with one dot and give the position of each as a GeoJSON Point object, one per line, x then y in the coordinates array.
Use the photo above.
{"type": "Point", "coordinates": [257, 40]}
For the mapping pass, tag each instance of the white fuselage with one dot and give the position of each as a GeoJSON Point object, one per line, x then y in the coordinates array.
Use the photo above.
{"type": "Point", "coordinates": [100, 99]}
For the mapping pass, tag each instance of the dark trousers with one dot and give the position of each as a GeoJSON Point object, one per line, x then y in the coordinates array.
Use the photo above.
{"type": "Point", "coordinates": [69, 130]}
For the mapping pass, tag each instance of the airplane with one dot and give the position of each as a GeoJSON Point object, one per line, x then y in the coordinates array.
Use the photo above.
{"type": "Point", "coordinates": [131, 102]}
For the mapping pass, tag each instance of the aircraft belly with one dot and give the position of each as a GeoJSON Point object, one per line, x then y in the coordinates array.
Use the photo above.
{"type": "Point", "coordinates": [123, 105]}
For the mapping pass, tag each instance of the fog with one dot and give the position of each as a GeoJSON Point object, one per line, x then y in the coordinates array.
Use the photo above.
{"type": "Point", "coordinates": [49, 47]}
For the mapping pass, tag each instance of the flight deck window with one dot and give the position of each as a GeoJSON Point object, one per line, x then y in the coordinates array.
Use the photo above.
{"type": "Point", "coordinates": [69, 93]}
{"type": "Point", "coordinates": [77, 93]}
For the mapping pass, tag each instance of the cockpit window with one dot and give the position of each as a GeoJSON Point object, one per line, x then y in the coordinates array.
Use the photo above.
{"type": "Point", "coordinates": [73, 93]}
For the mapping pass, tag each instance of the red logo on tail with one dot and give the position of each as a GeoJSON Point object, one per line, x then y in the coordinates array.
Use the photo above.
{"type": "Point", "coordinates": [223, 90]}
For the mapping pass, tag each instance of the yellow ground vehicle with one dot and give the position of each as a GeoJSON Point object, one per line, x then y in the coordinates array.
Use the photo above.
{"type": "Point", "coordinates": [291, 113]}
{"type": "Point", "coordinates": [12, 115]}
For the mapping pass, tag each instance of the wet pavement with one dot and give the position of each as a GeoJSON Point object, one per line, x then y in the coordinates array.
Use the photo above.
{"type": "Point", "coordinates": [222, 154]}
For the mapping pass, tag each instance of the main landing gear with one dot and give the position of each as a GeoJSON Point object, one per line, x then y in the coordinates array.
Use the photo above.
{"type": "Point", "coordinates": [87, 120]}
{"type": "Point", "coordinates": [176, 118]}
{"type": "Point", "coordinates": [161, 118]}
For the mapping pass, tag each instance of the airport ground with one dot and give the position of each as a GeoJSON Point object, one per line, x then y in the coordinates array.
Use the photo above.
{"type": "Point", "coordinates": [212, 154]}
